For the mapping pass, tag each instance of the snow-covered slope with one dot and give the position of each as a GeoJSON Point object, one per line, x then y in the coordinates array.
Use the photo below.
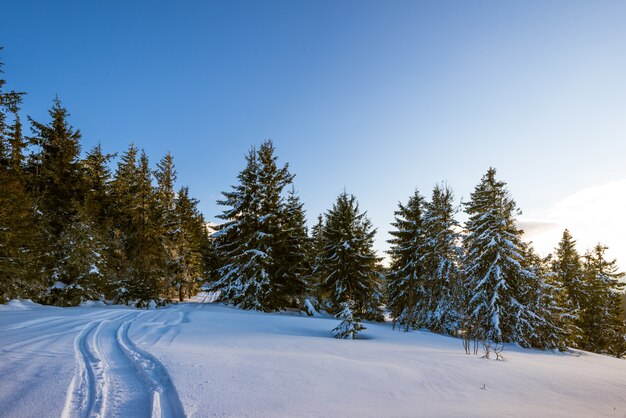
{"type": "Point", "coordinates": [203, 359]}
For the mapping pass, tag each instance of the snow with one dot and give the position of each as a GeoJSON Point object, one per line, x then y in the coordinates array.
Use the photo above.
{"type": "Point", "coordinates": [206, 359]}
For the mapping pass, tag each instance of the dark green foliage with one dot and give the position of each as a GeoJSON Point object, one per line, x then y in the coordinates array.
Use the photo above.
{"type": "Point", "coordinates": [442, 261]}
{"type": "Point", "coordinates": [405, 282]}
{"type": "Point", "coordinates": [348, 263]}
{"type": "Point", "coordinates": [290, 282]}
{"type": "Point", "coordinates": [70, 232]}
{"type": "Point", "coordinates": [81, 273]}
{"type": "Point", "coordinates": [56, 176]}
{"type": "Point", "coordinates": [22, 239]}
{"type": "Point", "coordinates": [603, 329]}
{"type": "Point", "coordinates": [251, 244]}
{"type": "Point", "coordinates": [500, 283]}
{"type": "Point", "coordinates": [23, 257]}
{"type": "Point", "coordinates": [97, 179]}
{"type": "Point", "coordinates": [569, 288]}
{"type": "Point", "coordinates": [188, 241]}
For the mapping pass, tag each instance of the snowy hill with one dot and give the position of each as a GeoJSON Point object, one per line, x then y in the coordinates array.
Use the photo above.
{"type": "Point", "coordinates": [199, 359]}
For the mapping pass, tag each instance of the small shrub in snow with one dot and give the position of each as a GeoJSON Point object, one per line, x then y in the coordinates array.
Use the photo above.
{"type": "Point", "coordinates": [350, 324]}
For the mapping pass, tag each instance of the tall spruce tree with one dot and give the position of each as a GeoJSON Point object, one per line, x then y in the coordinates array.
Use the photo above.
{"type": "Point", "coordinates": [189, 240]}
{"type": "Point", "coordinates": [165, 175]}
{"type": "Point", "coordinates": [314, 259]}
{"type": "Point", "coordinates": [22, 249]}
{"type": "Point", "coordinates": [273, 180]}
{"type": "Point", "coordinates": [291, 278]}
{"type": "Point", "coordinates": [10, 103]}
{"type": "Point", "coordinates": [242, 276]}
{"type": "Point", "coordinates": [97, 178]}
{"type": "Point", "coordinates": [249, 241]}
{"type": "Point", "coordinates": [441, 261]}
{"type": "Point", "coordinates": [349, 265]}
{"type": "Point", "coordinates": [144, 244]}
{"type": "Point", "coordinates": [570, 288]}
{"type": "Point", "coordinates": [56, 168]}
{"type": "Point", "coordinates": [406, 292]}
{"type": "Point", "coordinates": [543, 298]}
{"type": "Point", "coordinates": [602, 325]}
{"type": "Point", "coordinates": [496, 270]}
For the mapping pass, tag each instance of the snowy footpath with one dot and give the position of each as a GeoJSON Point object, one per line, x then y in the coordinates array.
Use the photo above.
{"type": "Point", "coordinates": [203, 359]}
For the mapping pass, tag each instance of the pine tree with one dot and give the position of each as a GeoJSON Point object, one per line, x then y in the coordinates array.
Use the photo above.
{"type": "Point", "coordinates": [350, 324]}
{"type": "Point", "coordinates": [602, 325]}
{"type": "Point", "coordinates": [570, 288]}
{"type": "Point", "coordinates": [10, 103]}
{"type": "Point", "coordinates": [544, 300]}
{"type": "Point", "coordinates": [290, 281]}
{"type": "Point", "coordinates": [98, 194]}
{"type": "Point", "coordinates": [271, 223]}
{"type": "Point", "coordinates": [22, 241]}
{"type": "Point", "coordinates": [249, 241]}
{"type": "Point", "coordinates": [56, 168]}
{"type": "Point", "coordinates": [81, 274]}
{"type": "Point", "coordinates": [23, 258]}
{"type": "Point", "coordinates": [442, 263]}
{"type": "Point", "coordinates": [144, 245]}
{"type": "Point", "coordinates": [497, 274]}
{"type": "Point", "coordinates": [242, 278]}
{"type": "Point", "coordinates": [316, 248]}
{"type": "Point", "coordinates": [137, 254]}
{"type": "Point", "coordinates": [170, 223]}
{"type": "Point", "coordinates": [406, 293]}
{"type": "Point", "coordinates": [188, 241]}
{"type": "Point", "coordinates": [348, 262]}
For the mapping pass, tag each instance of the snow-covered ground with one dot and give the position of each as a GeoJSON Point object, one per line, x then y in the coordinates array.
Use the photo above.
{"type": "Point", "coordinates": [200, 359]}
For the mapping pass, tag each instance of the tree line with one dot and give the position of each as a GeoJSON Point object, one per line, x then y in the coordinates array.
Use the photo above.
{"type": "Point", "coordinates": [73, 230]}
{"type": "Point", "coordinates": [479, 280]}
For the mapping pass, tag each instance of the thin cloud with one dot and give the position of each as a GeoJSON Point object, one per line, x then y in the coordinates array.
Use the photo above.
{"type": "Point", "coordinates": [592, 215]}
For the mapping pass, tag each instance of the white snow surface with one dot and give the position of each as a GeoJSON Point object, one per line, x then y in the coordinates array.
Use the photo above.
{"type": "Point", "coordinates": [202, 359]}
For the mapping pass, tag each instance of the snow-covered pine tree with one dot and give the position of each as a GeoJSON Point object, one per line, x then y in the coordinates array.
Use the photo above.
{"type": "Point", "coordinates": [249, 239]}
{"type": "Point", "coordinates": [316, 248]}
{"type": "Point", "coordinates": [271, 223]}
{"type": "Point", "coordinates": [348, 262]}
{"type": "Point", "coordinates": [80, 275]}
{"type": "Point", "coordinates": [242, 275]}
{"type": "Point", "coordinates": [350, 324]}
{"type": "Point", "coordinates": [189, 240]}
{"type": "Point", "coordinates": [602, 325]}
{"type": "Point", "coordinates": [165, 175]}
{"type": "Point", "coordinates": [405, 283]}
{"type": "Point", "coordinates": [441, 260]}
{"type": "Point", "coordinates": [544, 300]}
{"type": "Point", "coordinates": [55, 168]}
{"type": "Point", "coordinates": [290, 282]}
{"type": "Point", "coordinates": [497, 276]}
{"type": "Point", "coordinates": [570, 287]}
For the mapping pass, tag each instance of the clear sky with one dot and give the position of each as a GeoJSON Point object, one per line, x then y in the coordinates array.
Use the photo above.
{"type": "Point", "coordinates": [379, 97]}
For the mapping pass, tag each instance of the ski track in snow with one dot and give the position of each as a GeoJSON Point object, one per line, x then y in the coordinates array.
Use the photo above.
{"type": "Point", "coordinates": [115, 377]}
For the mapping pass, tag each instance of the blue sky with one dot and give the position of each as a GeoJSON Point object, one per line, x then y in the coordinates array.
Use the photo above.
{"type": "Point", "coordinates": [377, 97]}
